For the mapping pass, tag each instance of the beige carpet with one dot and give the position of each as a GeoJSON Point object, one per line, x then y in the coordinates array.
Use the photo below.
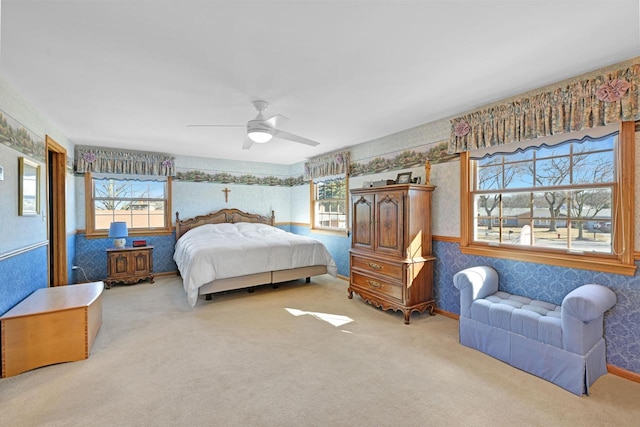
{"type": "Point", "coordinates": [301, 355]}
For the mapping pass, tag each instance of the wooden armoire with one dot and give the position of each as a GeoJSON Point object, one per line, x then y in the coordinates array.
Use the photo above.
{"type": "Point", "coordinates": [391, 261]}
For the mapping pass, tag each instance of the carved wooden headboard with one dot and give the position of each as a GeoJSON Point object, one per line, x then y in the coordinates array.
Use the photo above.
{"type": "Point", "coordinates": [219, 217]}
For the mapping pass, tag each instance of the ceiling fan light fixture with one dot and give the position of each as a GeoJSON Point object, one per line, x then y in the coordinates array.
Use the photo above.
{"type": "Point", "coordinates": [260, 136]}
{"type": "Point", "coordinates": [258, 131]}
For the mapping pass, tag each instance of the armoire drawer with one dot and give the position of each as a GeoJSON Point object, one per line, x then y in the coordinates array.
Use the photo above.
{"type": "Point", "coordinates": [371, 284]}
{"type": "Point", "coordinates": [391, 270]}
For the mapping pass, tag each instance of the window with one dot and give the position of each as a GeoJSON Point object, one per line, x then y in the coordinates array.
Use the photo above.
{"type": "Point", "coordinates": [563, 204]}
{"type": "Point", "coordinates": [143, 203]}
{"type": "Point", "coordinates": [562, 194]}
{"type": "Point", "coordinates": [329, 200]}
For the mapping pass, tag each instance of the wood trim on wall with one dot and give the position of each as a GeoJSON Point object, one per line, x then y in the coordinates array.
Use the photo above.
{"type": "Point", "coordinates": [446, 239]}
{"type": "Point", "coordinates": [465, 222]}
{"type": "Point", "coordinates": [294, 224]}
{"type": "Point", "coordinates": [89, 220]}
{"type": "Point", "coordinates": [344, 278]}
{"type": "Point", "coordinates": [57, 204]}
{"type": "Point", "coordinates": [312, 209]}
{"type": "Point", "coordinates": [447, 314]}
{"type": "Point", "coordinates": [627, 156]}
{"type": "Point", "coordinates": [623, 373]}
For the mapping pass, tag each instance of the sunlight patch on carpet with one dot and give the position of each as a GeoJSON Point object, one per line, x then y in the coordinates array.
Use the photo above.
{"type": "Point", "coordinates": [334, 319]}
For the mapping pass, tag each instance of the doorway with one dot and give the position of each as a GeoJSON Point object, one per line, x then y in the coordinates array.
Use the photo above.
{"type": "Point", "coordinates": [56, 206]}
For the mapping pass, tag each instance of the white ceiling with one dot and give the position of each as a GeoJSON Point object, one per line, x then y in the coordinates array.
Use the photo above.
{"type": "Point", "coordinates": [134, 74]}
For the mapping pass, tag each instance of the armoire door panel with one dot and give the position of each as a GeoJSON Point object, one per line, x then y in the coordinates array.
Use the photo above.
{"type": "Point", "coordinates": [362, 232]}
{"type": "Point", "coordinates": [389, 219]}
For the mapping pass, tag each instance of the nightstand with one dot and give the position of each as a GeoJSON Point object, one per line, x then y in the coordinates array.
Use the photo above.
{"type": "Point", "coordinates": [129, 265]}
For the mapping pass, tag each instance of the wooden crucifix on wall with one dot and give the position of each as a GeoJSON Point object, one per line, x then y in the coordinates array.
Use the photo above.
{"type": "Point", "coordinates": [226, 192]}
{"type": "Point", "coordinates": [427, 172]}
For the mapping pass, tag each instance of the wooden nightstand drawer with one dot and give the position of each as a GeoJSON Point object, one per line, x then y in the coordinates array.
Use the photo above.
{"type": "Point", "coordinates": [391, 270]}
{"type": "Point", "coordinates": [372, 284]}
{"type": "Point", "coordinates": [129, 265]}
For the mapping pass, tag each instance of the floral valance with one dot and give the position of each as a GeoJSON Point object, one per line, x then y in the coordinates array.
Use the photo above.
{"type": "Point", "coordinates": [327, 165]}
{"type": "Point", "coordinates": [125, 162]}
{"type": "Point", "coordinates": [603, 97]}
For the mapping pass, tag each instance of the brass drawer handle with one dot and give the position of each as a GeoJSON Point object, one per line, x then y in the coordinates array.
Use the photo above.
{"type": "Point", "coordinates": [375, 266]}
{"type": "Point", "coordinates": [373, 283]}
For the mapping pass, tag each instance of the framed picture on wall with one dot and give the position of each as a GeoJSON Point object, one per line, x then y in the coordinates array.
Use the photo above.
{"type": "Point", "coordinates": [403, 178]}
{"type": "Point", "coordinates": [28, 187]}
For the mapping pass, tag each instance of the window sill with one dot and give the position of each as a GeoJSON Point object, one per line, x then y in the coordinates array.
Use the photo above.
{"type": "Point", "coordinates": [584, 262]}
{"type": "Point", "coordinates": [105, 234]}
{"type": "Point", "coordinates": [338, 233]}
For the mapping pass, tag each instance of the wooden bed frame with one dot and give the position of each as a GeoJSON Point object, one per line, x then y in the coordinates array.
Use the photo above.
{"type": "Point", "coordinates": [247, 281]}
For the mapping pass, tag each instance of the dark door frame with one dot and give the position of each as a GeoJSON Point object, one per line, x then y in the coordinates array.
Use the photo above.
{"type": "Point", "coordinates": [56, 208]}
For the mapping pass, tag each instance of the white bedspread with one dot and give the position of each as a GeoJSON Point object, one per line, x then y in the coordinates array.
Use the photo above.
{"type": "Point", "coordinates": [218, 251]}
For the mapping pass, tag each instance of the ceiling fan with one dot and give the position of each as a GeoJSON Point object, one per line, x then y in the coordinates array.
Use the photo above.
{"type": "Point", "coordinates": [261, 129]}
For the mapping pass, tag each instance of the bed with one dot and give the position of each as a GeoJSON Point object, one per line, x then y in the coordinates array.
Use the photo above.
{"type": "Point", "coordinates": [231, 249]}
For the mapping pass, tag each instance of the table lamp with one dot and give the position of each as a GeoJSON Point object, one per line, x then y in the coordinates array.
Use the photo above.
{"type": "Point", "coordinates": [119, 231]}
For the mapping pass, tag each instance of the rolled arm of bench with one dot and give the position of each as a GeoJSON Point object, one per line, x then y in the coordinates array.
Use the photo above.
{"type": "Point", "coordinates": [475, 283]}
{"type": "Point", "coordinates": [588, 302]}
{"type": "Point", "coordinates": [582, 316]}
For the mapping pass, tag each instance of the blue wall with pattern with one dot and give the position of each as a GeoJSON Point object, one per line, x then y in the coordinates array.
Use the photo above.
{"type": "Point", "coordinates": [338, 246]}
{"type": "Point", "coordinates": [21, 274]}
{"type": "Point", "coordinates": [550, 283]}
{"type": "Point", "coordinates": [71, 255]}
{"type": "Point", "coordinates": [25, 272]}
{"type": "Point", "coordinates": [91, 256]}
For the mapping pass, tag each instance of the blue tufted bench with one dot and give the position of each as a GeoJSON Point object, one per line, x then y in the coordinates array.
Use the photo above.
{"type": "Point", "coordinates": [563, 343]}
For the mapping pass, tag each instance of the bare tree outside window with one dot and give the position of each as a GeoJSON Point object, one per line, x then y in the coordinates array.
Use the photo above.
{"type": "Point", "coordinates": [139, 203]}
{"type": "Point", "coordinates": [559, 192]}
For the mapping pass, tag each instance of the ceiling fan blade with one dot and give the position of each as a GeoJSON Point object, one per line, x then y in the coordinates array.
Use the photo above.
{"type": "Point", "coordinates": [295, 138]}
{"type": "Point", "coordinates": [247, 143]}
{"type": "Point", "coordinates": [276, 120]}
{"type": "Point", "coordinates": [216, 126]}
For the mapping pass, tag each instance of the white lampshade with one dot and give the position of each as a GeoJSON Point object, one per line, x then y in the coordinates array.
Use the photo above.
{"type": "Point", "coordinates": [259, 136]}
{"type": "Point", "coordinates": [119, 230]}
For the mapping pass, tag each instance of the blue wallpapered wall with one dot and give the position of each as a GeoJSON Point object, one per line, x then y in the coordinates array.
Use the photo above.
{"type": "Point", "coordinates": [71, 255]}
{"type": "Point", "coordinates": [337, 246]}
{"type": "Point", "coordinates": [550, 283]}
{"type": "Point", "coordinates": [91, 256]}
{"type": "Point", "coordinates": [21, 275]}
{"type": "Point", "coordinates": [24, 273]}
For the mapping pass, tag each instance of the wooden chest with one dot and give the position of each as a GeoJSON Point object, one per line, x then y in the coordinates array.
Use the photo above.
{"type": "Point", "coordinates": [52, 325]}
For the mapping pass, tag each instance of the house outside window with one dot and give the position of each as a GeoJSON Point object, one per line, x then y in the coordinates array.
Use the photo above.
{"type": "Point", "coordinates": [561, 202]}
{"type": "Point", "coordinates": [329, 204]}
{"type": "Point", "coordinates": [560, 195]}
{"type": "Point", "coordinates": [143, 203]}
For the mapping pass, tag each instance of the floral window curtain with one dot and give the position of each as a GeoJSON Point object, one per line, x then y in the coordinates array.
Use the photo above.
{"type": "Point", "coordinates": [124, 162]}
{"type": "Point", "coordinates": [607, 96]}
{"type": "Point", "coordinates": [328, 165]}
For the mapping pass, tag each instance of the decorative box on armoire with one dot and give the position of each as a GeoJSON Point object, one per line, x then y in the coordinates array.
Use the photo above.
{"type": "Point", "coordinates": [391, 261]}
